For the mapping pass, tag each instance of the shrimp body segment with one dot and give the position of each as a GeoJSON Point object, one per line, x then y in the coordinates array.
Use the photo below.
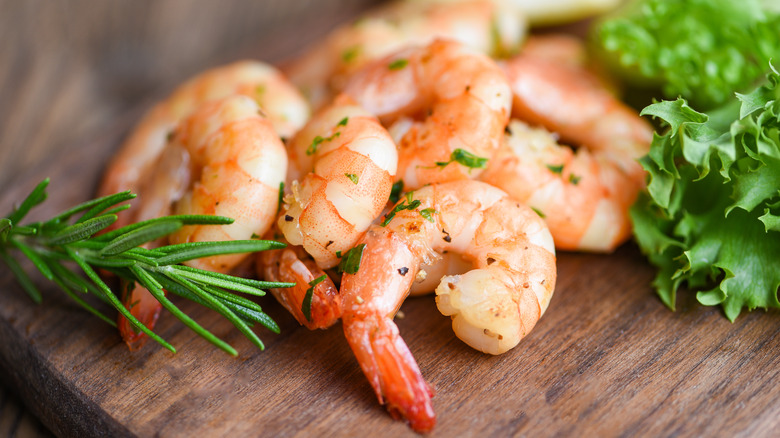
{"type": "Point", "coordinates": [486, 26]}
{"type": "Point", "coordinates": [584, 195]}
{"type": "Point", "coordinates": [439, 101]}
{"type": "Point", "coordinates": [492, 306]}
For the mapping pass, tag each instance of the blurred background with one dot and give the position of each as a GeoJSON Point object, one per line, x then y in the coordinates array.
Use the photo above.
{"type": "Point", "coordinates": [73, 70]}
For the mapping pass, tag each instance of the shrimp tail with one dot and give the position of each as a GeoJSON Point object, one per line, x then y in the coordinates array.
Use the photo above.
{"type": "Point", "coordinates": [144, 307]}
{"type": "Point", "coordinates": [389, 366]}
{"type": "Point", "coordinates": [289, 265]}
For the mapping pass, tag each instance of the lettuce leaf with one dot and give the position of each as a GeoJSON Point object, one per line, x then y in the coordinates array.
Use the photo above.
{"type": "Point", "coordinates": [703, 50]}
{"type": "Point", "coordinates": [710, 218]}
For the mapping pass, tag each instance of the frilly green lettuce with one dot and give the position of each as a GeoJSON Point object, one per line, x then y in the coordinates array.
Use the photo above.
{"type": "Point", "coordinates": [703, 50]}
{"type": "Point", "coordinates": [710, 219]}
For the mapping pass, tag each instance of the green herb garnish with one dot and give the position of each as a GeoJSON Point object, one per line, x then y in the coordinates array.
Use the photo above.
{"type": "Point", "coordinates": [464, 157]}
{"type": "Point", "coordinates": [318, 140]}
{"type": "Point", "coordinates": [306, 305]}
{"type": "Point", "coordinates": [70, 237]}
{"type": "Point", "coordinates": [555, 168]}
{"type": "Point", "coordinates": [428, 213]}
{"type": "Point", "coordinates": [350, 263]}
{"type": "Point", "coordinates": [352, 177]}
{"type": "Point", "coordinates": [395, 192]}
{"type": "Point", "coordinates": [398, 64]}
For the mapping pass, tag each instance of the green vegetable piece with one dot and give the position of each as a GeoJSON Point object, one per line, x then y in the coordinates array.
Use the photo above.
{"type": "Point", "coordinates": [306, 305]}
{"type": "Point", "coordinates": [715, 232]}
{"type": "Point", "coordinates": [466, 158]}
{"type": "Point", "coordinates": [350, 262]}
{"type": "Point", "coordinates": [352, 177]}
{"type": "Point", "coordinates": [398, 64]}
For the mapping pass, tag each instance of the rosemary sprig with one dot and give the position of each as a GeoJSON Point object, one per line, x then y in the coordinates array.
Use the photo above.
{"type": "Point", "coordinates": [70, 237]}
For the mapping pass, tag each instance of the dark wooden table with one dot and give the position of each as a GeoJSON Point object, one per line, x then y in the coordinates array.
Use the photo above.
{"type": "Point", "coordinates": [608, 359]}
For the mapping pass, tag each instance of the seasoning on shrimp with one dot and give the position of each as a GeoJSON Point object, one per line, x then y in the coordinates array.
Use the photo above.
{"type": "Point", "coordinates": [492, 306]}
{"type": "Point", "coordinates": [584, 196]}
{"type": "Point", "coordinates": [483, 25]}
{"type": "Point", "coordinates": [446, 109]}
{"type": "Point", "coordinates": [340, 186]}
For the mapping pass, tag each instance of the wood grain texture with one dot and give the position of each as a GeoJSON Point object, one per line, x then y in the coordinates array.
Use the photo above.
{"type": "Point", "coordinates": [608, 359]}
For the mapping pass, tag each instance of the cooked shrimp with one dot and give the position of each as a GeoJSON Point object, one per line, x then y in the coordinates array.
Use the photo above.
{"type": "Point", "coordinates": [233, 162]}
{"type": "Point", "coordinates": [279, 100]}
{"type": "Point", "coordinates": [492, 306]}
{"type": "Point", "coordinates": [446, 106]}
{"type": "Point", "coordinates": [485, 26]}
{"type": "Point", "coordinates": [293, 265]}
{"type": "Point", "coordinates": [585, 196]}
{"type": "Point", "coordinates": [346, 162]}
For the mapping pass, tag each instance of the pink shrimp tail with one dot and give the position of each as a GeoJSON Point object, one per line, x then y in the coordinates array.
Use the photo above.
{"type": "Point", "coordinates": [144, 307]}
{"type": "Point", "coordinates": [389, 366]}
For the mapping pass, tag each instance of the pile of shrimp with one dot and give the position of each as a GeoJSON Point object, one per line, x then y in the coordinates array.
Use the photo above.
{"type": "Point", "coordinates": [452, 110]}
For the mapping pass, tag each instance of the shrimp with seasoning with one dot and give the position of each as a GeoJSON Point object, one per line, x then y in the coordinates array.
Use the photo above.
{"type": "Point", "coordinates": [493, 28]}
{"type": "Point", "coordinates": [493, 306]}
{"type": "Point", "coordinates": [225, 159]}
{"type": "Point", "coordinates": [136, 167]}
{"type": "Point", "coordinates": [133, 165]}
{"type": "Point", "coordinates": [343, 162]}
{"type": "Point", "coordinates": [445, 104]}
{"type": "Point", "coordinates": [584, 196]}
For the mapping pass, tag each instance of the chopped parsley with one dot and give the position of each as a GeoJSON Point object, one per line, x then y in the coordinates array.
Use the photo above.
{"type": "Point", "coordinates": [466, 158]}
{"type": "Point", "coordinates": [428, 214]}
{"type": "Point", "coordinates": [352, 177]}
{"type": "Point", "coordinates": [395, 192]}
{"type": "Point", "coordinates": [555, 168]}
{"type": "Point", "coordinates": [350, 263]}
{"type": "Point", "coordinates": [318, 140]}
{"type": "Point", "coordinates": [398, 64]}
{"type": "Point", "coordinates": [306, 305]}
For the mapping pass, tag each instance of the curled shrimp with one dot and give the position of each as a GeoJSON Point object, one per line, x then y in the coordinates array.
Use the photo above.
{"type": "Point", "coordinates": [493, 28]}
{"type": "Point", "coordinates": [346, 162]}
{"type": "Point", "coordinates": [134, 162]}
{"type": "Point", "coordinates": [492, 306]}
{"type": "Point", "coordinates": [230, 163]}
{"type": "Point", "coordinates": [446, 106]}
{"type": "Point", "coordinates": [584, 196]}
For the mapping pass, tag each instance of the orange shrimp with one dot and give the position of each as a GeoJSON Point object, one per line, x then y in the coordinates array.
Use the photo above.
{"type": "Point", "coordinates": [134, 162]}
{"type": "Point", "coordinates": [486, 26]}
{"type": "Point", "coordinates": [492, 306]}
{"type": "Point", "coordinates": [346, 162]}
{"type": "Point", "coordinates": [446, 106]}
{"type": "Point", "coordinates": [584, 196]}
{"type": "Point", "coordinates": [231, 164]}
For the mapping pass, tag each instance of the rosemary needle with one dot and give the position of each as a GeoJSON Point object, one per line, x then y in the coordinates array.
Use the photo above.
{"type": "Point", "coordinates": [70, 236]}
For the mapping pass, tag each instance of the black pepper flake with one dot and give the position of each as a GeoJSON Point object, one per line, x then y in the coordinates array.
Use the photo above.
{"type": "Point", "coordinates": [447, 238]}
{"type": "Point", "coordinates": [330, 242]}
{"type": "Point", "coordinates": [403, 270]}
{"type": "Point", "coordinates": [507, 130]}
{"type": "Point", "coordinates": [288, 218]}
{"type": "Point", "coordinates": [490, 260]}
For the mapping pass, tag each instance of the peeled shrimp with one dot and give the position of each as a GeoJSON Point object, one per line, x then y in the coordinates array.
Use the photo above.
{"type": "Point", "coordinates": [584, 196]}
{"type": "Point", "coordinates": [483, 25]}
{"type": "Point", "coordinates": [345, 162]}
{"type": "Point", "coordinates": [439, 101]}
{"type": "Point", "coordinates": [492, 306]}
{"type": "Point", "coordinates": [133, 164]}
{"type": "Point", "coordinates": [231, 163]}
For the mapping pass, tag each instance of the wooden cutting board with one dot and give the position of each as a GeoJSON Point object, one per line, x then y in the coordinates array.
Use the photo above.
{"type": "Point", "coordinates": [607, 359]}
